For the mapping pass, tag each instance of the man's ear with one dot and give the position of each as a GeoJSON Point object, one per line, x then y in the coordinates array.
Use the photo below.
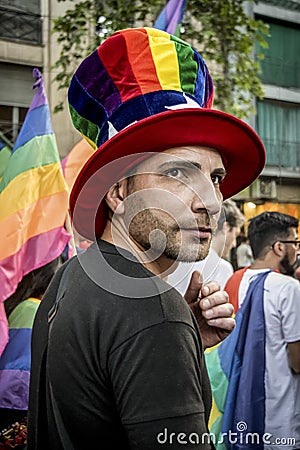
{"type": "Point", "coordinates": [225, 227]}
{"type": "Point", "coordinates": [278, 248]}
{"type": "Point", "coordinates": [115, 196]}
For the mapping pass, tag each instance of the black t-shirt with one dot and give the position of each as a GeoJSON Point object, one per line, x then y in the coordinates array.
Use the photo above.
{"type": "Point", "coordinates": [123, 367]}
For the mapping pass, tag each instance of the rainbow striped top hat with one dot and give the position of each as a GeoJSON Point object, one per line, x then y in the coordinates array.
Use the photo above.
{"type": "Point", "coordinates": [144, 90]}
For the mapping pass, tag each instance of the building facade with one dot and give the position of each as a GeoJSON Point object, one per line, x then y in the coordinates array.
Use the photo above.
{"type": "Point", "coordinates": [278, 115]}
{"type": "Point", "coordinates": [26, 41]}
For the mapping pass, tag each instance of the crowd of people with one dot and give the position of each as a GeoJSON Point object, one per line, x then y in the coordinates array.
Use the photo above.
{"type": "Point", "coordinates": [118, 340]}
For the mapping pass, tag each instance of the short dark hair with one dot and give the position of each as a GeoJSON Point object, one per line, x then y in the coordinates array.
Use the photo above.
{"type": "Point", "coordinates": [267, 228]}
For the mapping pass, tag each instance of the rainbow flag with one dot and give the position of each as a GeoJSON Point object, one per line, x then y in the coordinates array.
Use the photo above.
{"type": "Point", "coordinates": [236, 370]}
{"type": "Point", "coordinates": [5, 153]}
{"type": "Point", "coordinates": [33, 198]}
{"type": "Point", "coordinates": [75, 160]}
{"type": "Point", "coordinates": [170, 18]}
{"type": "Point", "coordinates": [16, 358]}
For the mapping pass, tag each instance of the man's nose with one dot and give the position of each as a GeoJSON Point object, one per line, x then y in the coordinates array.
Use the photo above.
{"type": "Point", "coordinates": [206, 197]}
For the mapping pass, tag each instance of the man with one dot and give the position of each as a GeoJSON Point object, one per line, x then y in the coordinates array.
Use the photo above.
{"type": "Point", "coordinates": [215, 266]}
{"type": "Point", "coordinates": [275, 246]}
{"type": "Point", "coordinates": [244, 253]}
{"type": "Point", "coordinates": [117, 353]}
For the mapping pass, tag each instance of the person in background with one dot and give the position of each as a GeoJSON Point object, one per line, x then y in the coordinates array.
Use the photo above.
{"type": "Point", "coordinates": [117, 353]}
{"type": "Point", "coordinates": [214, 266]}
{"type": "Point", "coordinates": [244, 253]}
{"type": "Point", "coordinates": [275, 246]}
{"type": "Point", "coordinates": [20, 310]}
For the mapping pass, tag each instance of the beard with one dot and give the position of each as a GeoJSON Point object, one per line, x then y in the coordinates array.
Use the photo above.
{"type": "Point", "coordinates": [159, 233]}
{"type": "Point", "coordinates": [287, 267]}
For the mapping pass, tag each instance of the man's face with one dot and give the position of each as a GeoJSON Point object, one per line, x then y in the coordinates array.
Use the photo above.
{"type": "Point", "coordinates": [174, 202]}
{"type": "Point", "coordinates": [291, 253]}
{"type": "Point", "coordinates": [230, 239]}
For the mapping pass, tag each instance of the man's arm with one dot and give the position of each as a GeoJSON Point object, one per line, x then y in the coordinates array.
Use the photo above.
{"type": "Point", "coordinates": [294, 356]}
{"type": "Point", "coordinates": [158, 388]}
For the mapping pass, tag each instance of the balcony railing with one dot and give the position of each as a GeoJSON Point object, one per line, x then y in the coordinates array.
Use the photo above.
{"type": "Point", "coordinates": [20, 26]}
{"type": "Point", "coordinates": [282, 154]}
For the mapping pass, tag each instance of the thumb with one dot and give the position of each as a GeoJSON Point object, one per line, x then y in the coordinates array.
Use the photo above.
{"type": "Point", "coordinates": [194, 287]}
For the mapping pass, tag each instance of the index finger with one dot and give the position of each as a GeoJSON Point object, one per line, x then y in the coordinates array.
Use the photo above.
{"type": "Point", "coordinates": [209, 288]}
{"type": "Point", "coordinates": [194, 287]}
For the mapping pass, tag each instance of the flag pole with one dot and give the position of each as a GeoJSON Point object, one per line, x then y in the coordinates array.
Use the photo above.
{"type": "Point", "coordinates": [69, 229]}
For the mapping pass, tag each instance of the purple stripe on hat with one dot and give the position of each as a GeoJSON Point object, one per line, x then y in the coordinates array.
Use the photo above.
{"type": "Point", "coordinates": [14, 389]}
{"type": "Point", "coordinates": [209, 90]}
{"type": "Point", "coordinates": [94, 78]}
{"type": "Point", "coordinates": [85, 105]}
{"type": "Point", "coordinates": [200, 83]}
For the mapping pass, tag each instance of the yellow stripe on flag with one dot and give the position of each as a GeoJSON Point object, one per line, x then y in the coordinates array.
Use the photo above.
{"type": "Point", "coordinates": [44, 215]}
{"type": "Point", "coordinates": [18, 196]}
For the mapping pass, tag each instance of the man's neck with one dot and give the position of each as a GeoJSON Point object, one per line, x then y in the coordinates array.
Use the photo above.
{"type": "Point", "coordinates": [264, 264]}
{"type": "Point", "coordinates": [218, 244]}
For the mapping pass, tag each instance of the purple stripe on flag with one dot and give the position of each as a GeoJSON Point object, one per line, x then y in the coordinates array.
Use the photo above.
{"type": "Point", "coordinates": [64, 163]}
{"type": "Point", "coordinates": [35, 253]}
{"type": "Point", "coordinates": [40, 118]}
{"type": "Point", "coordinates": [40, 97]}
{"type": "Point", "coordinates": [171, 16]}
{"type": "Point", "coordinates": [14, 389]}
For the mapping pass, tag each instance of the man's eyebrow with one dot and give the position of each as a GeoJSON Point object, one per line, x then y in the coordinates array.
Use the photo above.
{"type": "Point", "coordinates": [188, 164]}
{"type": "Point", "coordinates": [219, 171]}
{"type": "Point", "coordinates": [178, 163]}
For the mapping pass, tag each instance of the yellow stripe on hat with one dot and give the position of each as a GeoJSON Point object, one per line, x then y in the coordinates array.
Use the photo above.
{"type": "Point", "coordinates": [166, 62]}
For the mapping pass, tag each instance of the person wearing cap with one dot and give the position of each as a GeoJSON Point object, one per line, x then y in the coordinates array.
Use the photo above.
{"type": "Point", "coordinates": [117, 353]}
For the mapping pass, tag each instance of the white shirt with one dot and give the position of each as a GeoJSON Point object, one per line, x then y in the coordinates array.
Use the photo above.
{"type": "Point", "coordinates": [282, 319]}
{"type": "Point", "coordinates": [244, 255]}
{"type": "Point", "coordinates": [213, 267]}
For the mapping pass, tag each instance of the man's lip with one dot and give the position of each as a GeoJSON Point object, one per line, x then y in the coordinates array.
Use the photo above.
{"type": "Point", "coordinates": [200, 232]}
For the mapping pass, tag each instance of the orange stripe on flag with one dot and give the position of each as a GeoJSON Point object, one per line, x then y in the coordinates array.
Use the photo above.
{"type": "Point", "coordinates": [27, 188]}
{"type": "Point", "coordinates": [44, 215]}
{"type": "Point", "coordinates": [75, 160]}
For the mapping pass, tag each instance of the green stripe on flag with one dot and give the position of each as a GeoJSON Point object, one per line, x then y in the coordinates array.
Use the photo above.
{"type": "Point", "coordinates": [40, 151]}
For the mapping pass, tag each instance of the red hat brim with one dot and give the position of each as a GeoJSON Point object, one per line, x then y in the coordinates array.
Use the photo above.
{"type": "Point", "coordinates": [240, 147]}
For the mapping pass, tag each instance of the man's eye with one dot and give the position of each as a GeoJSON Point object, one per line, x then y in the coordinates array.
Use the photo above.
{"type": "Point", "coordinates": [175, 173]}
{"type": "Point", "coordinates": [216, 179]}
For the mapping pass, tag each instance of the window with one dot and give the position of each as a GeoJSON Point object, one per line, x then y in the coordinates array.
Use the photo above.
{"type": "Point", "coordinates": [21, 20]}
{"type": "Point", "coordinates": [278, 126]}
{"type": "Point", "coordinates": [281, 66]}
{"type": "Point", "coordinates": [11, 120]}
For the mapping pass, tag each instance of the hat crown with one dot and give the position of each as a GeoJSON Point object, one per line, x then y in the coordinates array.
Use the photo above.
{"type": "Point", "coordinates": [134, 74]}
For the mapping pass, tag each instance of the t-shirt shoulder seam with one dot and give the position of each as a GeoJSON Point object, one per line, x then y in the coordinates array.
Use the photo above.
{"type": "Point", "coordinates": [178, 414]}
{"type": "Point", "coordinates": [162, 322]}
